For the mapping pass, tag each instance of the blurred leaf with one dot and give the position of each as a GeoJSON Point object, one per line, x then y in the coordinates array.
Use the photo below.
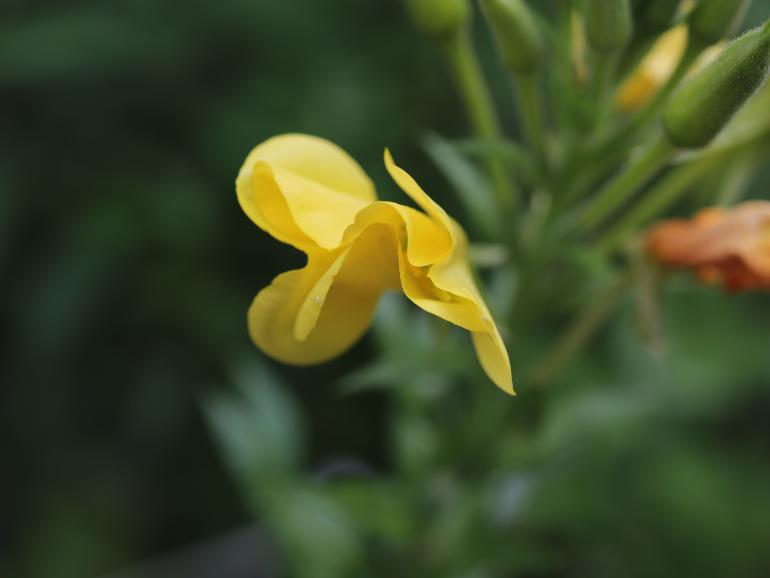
{"type": "Point", "coordinates": [422, 357]}
{"type": "Point", "coordinates": [80, 40]}
{"type": "Point", "coordinates": [707, 365]}
{"type": "Point", "coordinates": [258, 429]}
{"type": "Point", "coordinates": [454, 534]}
{"type": "Point", "coordinates": [379, 508]}
{"type": "Point", "coordinates": [646, 285]}
{"type": "Point", "coordinates": [416, 443]}
{"type": "Point", "coordinates": [471, 186]}
{"type": "Point", "coordinates": [489, 255]}
{"type": "Point", "coordinates": [504, 150]}
{"type": "Point", "coordinates": [597, 420]}
{"type": "Point", "coordinates": [316, 535]}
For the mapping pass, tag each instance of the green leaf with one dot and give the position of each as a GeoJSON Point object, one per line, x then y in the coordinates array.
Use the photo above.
{"type": "Point", "coordinates": [258, 429]}
{"type": "Point", "coordinates": [472, 188]}
{"type": "Point", "coordinates": [380, 508]}
{"type": "Point", "coordinates": [315, 533]}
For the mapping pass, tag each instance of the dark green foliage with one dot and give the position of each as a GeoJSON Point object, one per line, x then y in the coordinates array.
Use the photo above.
{"type": "Point", "coordinates": [713, 20]}
{"type": "Point", "coordinates": [608, 24]}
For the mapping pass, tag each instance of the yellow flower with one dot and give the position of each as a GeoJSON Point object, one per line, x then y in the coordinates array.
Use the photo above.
{"type": "Point", "coordinates": [307, 192]}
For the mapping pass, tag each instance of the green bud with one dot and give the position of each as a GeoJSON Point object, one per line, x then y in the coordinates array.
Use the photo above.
{"type": "Point", "coordinates": [517, 34]}
{"type": "Point", "coordinates": [608, 24]}
{"type": "Point", "coordinates": [713, 20]}
{"type": "Point", "coordinates": [438, 19]}
{"type": "Point", "coordinates": [655, 15]}
{"type": "Point", "coordinates": [699, 109]}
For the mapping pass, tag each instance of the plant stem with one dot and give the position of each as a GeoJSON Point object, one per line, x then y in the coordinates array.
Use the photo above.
{"type": "Point", "coordinates": [658, 199]}
{"type": "Point", "coordinates": [530, 111]}
{"type": "Point", "coordinates": [617, 191]}
{"type": "Point", "coordinates": [504, 150]}
{"type": "Point", "coordinates": [602, 75]}
{"type": "Point", "coordinates": [738, 178]}
{"type": "Point", "coordinates": [581, 330]}
{"type": "Point", "coordinates": [560, 74]}
{"type": "Point", "coordinates": [478, 103]}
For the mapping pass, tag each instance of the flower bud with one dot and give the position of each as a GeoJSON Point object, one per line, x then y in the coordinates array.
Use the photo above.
{"type": "Point", "coordinates": [608, 24]}
{"type": "Point", "coordinates": [713, 20]}
{"type": "Point", "coordinates": [651, 74]}
{"type": "Point", "coordinates": [699, 109]}
{"type": "Point", "coordinates": [438, 19]}
{"type": "Point", "coordinates": [655, 15]}
{"type": "Point", "coordinates": [516, 31]}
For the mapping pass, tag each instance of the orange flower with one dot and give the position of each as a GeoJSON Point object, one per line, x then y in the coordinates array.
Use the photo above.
{"type": "Point", "coordinates": [730, 247]}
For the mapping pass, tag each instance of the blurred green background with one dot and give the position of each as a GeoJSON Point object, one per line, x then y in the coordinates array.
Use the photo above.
{"type": "Point", "coordinates": [126, 268]}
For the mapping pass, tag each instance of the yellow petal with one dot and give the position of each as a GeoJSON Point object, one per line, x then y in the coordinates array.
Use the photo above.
{"type": "Point", "coordinates": [316, 159]}
{"type": "Point", "coordinates": [423, 247]}
{"type": "Point", "coordinates": [446, 287]}
{"type": "Point", "coordinates": [314, 314]}
{"type": "Point", "coordinates": [493, 356]}
{"type": "Point", "coordinates": [454, 277]}
{"type": "Point", "coordinates": [458, 301]}
{"type": "Point", "coordinates": [424, 293]}
{"type": "Point", "coordinates": [303, 190]}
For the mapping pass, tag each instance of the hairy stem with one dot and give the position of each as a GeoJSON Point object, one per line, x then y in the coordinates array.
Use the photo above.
{"type": "Point", "coordinates": [478, 103]}
{"type": "Point", "coordinates": [579, 333]}
{"type": "Point", "coordinates": [619, 190]}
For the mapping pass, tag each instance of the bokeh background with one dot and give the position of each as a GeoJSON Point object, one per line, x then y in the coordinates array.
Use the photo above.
{"type": "Point", "coordinates": [126, 268]}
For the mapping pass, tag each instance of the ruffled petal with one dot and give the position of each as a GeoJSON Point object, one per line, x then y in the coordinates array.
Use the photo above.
{"type": "Point", "coordinates": [458, 301]}
{"type": "Point", "coordinates": [423, 249]}
{"type": "Point", "coordinates": [314, 314]}
{"type": "Point", "coordinates": [303, 190]}
{"type": "Point", "coordinates": [454, 277]}
{"type": "Point", "coordinates": [424, 293]}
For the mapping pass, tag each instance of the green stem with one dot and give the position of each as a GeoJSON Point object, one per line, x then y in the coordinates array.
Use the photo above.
{"type": "Point", "coordinates": [504, 150]}
{"type": "Point", "coordinates": [617, 191]}
{"type": "Point", "coordinates": [664, 194]}
{"type": "Point", "coordinates": [602, 75]}
{"type": "Point", "coordinates": [581, 330]}
{"type": "Point", "coordinates": [583, 175]}
{"type": "Point", "coordinates": [738, 177]}
{"type": "Point", "coordinates": [531, 113]}
{"type": "Point", "coordinates": [478, 103]}
{"type": "Point", "coordinates": [561, 85]}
